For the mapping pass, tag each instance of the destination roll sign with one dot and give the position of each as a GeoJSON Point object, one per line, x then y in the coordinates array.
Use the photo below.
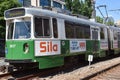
{"type": "Point", "coordinates": [15, 13]}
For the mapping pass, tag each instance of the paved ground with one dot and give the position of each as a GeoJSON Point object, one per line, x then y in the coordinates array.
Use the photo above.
{"type": "Point", "coordinates": [2, 65]}
{"type": "Point", "coordinates": [2, 62]}
{"type": "Point", "coordinates": [78, 74]}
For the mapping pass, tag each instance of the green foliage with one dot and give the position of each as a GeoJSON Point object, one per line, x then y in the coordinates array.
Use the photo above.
{"type": "Point", "coordinates": [108, 22]}
{"type": "Point", "coordinates": [99, 19]}
{"type": "Point", "coordinates": [2, 27]}
{"type": "Point", "coordinates": [5, 5]}
{"type": "Point", "coordinates": [76, 7]}
{"type": "Point", "coordinates": [80, 7]}
{"type": "Point", "coordinates": [69, 4]}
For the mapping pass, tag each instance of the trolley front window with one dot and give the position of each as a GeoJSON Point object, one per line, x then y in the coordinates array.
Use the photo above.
{"type": "Point", "coordinates": [10, 31]}
{"type": "Point", "coordinates": [19, 30]}
{"type": "Point", "coordinates": [22, 30]}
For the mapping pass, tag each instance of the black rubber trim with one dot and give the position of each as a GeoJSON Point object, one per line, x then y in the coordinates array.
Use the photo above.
{"type": "Point", "coordinates": [19, 61]}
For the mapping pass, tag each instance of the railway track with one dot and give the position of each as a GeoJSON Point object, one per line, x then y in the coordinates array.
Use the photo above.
{"type": "Point", "coordinates": [87, 72]}
{"type": "Point", "coordinates": [32, 73]}
{"type": "Point", "coordinates": [20, 75]}
{"type": "Point", "coordinates": [112, 74]}
{"type": "Point", "coordinates": [89, 77]}
{"type": "Point", "coordinates": [5, 76]}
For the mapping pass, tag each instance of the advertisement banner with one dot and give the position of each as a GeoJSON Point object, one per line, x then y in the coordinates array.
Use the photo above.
{"type": "Point", "coordinates": [77, 46]}
{"type": "Point", "coordinates": [45, 48]}
{"type": "Point", "coordinates": [115, 44]}
{"type": "Point", "coordinates": [103, 44]}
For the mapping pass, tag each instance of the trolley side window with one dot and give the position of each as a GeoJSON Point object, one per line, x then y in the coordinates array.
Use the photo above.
{"type": "Point", "coordinates": [95, 34]}
{"type": "Point", "coordinates": [38, 27]}
{"type": "Point", "coordinates": [10, 31]}
{"type": "Point", "coordinates": [115, 34]}
{"type": "Point", "coordinates": [118, 36]}
{"type": "Point", "coordinates": [42, 27]}
{"type": "Point", "coordinates": [55, 30]}
{"type": "Point", "coordinates": [102, 35]}
{"type": "Point", "coordinates": [69, 30]}
{"type": "Point", "coordinates": [46, 27]}
{"type": "Point", "coordinates": [77, 30]}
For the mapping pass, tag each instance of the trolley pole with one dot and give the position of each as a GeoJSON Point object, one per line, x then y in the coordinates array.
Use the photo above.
{"type": "Point", "coordinates": [105, 18]}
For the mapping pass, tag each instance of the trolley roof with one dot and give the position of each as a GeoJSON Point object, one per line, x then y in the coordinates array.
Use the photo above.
{"type": "Point", "coordinates": [24, 11]}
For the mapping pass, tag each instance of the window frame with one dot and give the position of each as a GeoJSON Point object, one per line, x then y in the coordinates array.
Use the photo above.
{"type": "Point", "coordinates": [12, 34]}
{"type": "Point", "coordinates": [94, 36]}
{"type": "Point", "coordinates": [21, 19]}
{"type": "Point", "coordinates": [115, 35]}
{"type": "Point", "coordinates": [55, 27]}
{"type": "Point", "coordinates": [102, 32]}
{"type": "Point", "coordinates": [15, 28]}
{"type": "Point", "coordinates": [57, 4]}
{"type": "Point", "coordinates": [44, 3]}
{"type": "Point", "coordinates": [74, 30]}
{"type": "Point", "coordinates": [50, 32]}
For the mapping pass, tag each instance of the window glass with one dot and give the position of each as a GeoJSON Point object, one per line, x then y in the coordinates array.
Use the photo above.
{"type": "Point", "coordinates": [38, 27]}
{"type": "Point", "coordinates": [26, 3]}
{"type": "Point", "coordinates": [56, 4]}
{"type": "Point", "coordinates": [69, 29]}
{"type": "Point", "coordinates": [42, 27]}
{"type": "Point", "coordinates": [10, 31]}
{"type": "Point", "coordinates": [55, 30]}
{"type": "Point", "coordinates": [94, 34]}
{"type": "Point", "coordinates": [45, 2]}
{"type": "Point", "coordinates": [46, 27]}
{"type": "Point", "coordinates": [102, 36]}
{"type": "Point", "coordinates": [65, 7]}
{"type": "Point", "coordinates": [87, 32]}
{"type": "Point", "coordinates": [79, 31]}
{"type": "Point", "coordinates": [119, 36]}
{"type": "Point", "coordinates": [22, 30]}
{"type": "Point", "coordinates": [115, 35]}
{"type": "Point", "coordinates": [75, 30]}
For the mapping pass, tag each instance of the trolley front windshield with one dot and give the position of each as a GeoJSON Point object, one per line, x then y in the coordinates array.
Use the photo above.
{"type": "Point", "coordinates": [19, 30]}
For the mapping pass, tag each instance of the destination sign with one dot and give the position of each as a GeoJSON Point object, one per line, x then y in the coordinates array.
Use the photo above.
{"type": "Point", "coordinates": [15, 13]}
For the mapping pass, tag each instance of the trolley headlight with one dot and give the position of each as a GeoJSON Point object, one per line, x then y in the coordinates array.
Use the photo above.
{"type": "Point", "coordinates": [6, 50]}
{"type": "Point", "coordinates": [26, 48]}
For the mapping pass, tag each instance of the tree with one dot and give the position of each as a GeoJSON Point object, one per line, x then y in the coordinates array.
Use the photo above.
{"type": "Point", "coordinates": [80, 7]}
{"type": "Point", "coordinates": [87, 8]}
{"type": "Point", "coordinates": [4, 5]}
{"type": "Point", "coordinates": [69, 4]}
{"type": "Point", "coordinates": [99, 19]}
{"type": "Point", "coordinates": [108, 21]}
{"type": "Point", "coordinates": [76, 7]}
